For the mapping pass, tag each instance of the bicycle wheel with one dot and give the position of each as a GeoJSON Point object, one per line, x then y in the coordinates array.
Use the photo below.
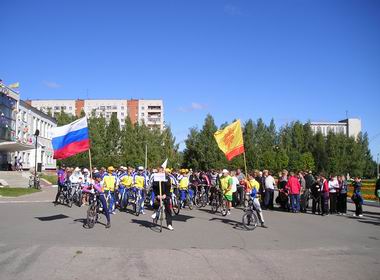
{"type": "Point", "coordinates": [69, 202]}
{"type": "Point", "coordinates": [204, 200]}
{"type": "Point", "coordinates": [91, 216]}
{"type": "Point", "coordinates": [223, 208]}
{"type": "Point", "coordinates": [190, 203]}
{"type": "Point", "coordinates": [198, 201]}
{"type": "Point", "coordinates": [214, 206]}
{"type": "Point", "coordinates": [250, 220]}
{"type": "Point", "coordinates": [176, 207]}
{"type": "Point", "coordinates": [161, 217]}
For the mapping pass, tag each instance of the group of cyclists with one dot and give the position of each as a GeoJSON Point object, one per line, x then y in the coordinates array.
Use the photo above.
{"type": "Point", "coordinates": [221, 189]}
{"type": "Point", "coordinates": [125, 186]}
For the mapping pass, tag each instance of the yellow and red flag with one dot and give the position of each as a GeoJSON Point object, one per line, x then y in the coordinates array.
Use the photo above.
{"type": "Point", "coordinates": [230, 140]}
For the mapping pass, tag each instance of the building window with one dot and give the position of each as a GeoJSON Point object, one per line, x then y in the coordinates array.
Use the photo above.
{"type": "Point", "coordinates": [142, 114]}
{"type": "Point", "coordinates": [122, 108]}
{"type": "Point", "coordinates": [56, 108]}
{"type": "Point", "coordinates": [122, 114]}
{"type": "Point", "coordinates": [114, 107]}
{"type": "Point", "coordinates": [70, 108]}
{"type": "Point", "coordinates": [142, 108]}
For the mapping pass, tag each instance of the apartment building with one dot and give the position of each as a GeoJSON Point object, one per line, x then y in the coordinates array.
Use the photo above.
{"type": "Point", "coordinates": [349, 127]}
{"type": "Point", "coordinates": [150, 112]}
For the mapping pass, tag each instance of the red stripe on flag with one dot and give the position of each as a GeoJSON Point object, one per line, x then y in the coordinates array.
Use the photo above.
{"type": "Point", "coordinates": [235, 152]}
{"type": "Point", "coordinates": [72, 149]}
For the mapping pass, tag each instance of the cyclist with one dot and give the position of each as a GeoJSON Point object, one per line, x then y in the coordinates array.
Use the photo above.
{"type": "Point", "coordinates": [97, 187]}
{"type": "Point", "coordinates": [126, 182]}
{"type": "Point", "coordinates": [226, 183]}
{"type": "Point", "coordinates": [61, 173]}
{"type": "Point", "coordinates": [140, 183]}
{"type": "Point", "coordinates": [205, 181]}
{"type": "Point", "coordinates": [254, 187]}
{"type": "Point", "coordinates": [183, 186]}
{"type": "Point", "coordinates": [109, 184]}
{"type": "Point", "coordinates": [166, 195]}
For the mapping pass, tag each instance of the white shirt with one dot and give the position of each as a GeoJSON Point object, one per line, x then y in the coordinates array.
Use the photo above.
{"type": "Point", "coordinates": [235, 182]}
{"type": "Point", "coordinates": [269, 182]}
{"type": "Point", "coordinates": [333, 186]}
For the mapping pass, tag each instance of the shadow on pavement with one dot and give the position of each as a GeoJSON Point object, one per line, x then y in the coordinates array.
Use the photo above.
{"type": "Point", "coordinates": [52, 218]}
{"type": "Point", "coordinates": [143, 223]}
{"type": "Point", "coordinates": [370, 222]}
{"type": "Point", "coordinates": [84, 222]}
{"type": "Point", "coordinates": [232, 223]}
{"type": "Point", "coordinates": [181, 218]}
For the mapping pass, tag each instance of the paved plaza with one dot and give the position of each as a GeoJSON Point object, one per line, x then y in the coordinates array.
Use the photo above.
{"type": "Point", "coordinates": [41, 241]}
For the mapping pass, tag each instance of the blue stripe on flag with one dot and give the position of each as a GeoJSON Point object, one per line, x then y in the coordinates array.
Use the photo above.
{"type": "Point", "coordinates": [73, 136]}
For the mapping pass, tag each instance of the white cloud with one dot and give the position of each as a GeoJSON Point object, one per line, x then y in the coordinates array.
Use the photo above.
{"type": "Point", "coordinates": [194, 106]}
{"type": "Point", "coordinates": [197, 106]}
{"type": "Point", "coordinates": [232, 10]}
{"type": "Point", "coordinates": [51, 84]}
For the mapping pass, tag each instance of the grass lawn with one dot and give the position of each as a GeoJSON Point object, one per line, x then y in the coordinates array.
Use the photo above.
{"type": "Point", "coordinates": [13, 192]}
{"type": "Point", "coordinates": [52, 178]}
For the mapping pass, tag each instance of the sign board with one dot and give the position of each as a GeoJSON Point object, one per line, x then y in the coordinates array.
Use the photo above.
{"type": "Point", "coordinates": [159, 177]}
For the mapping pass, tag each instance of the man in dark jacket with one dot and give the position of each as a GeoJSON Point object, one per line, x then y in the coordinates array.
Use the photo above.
{"type": "Point", "coordinates": [165, 196]}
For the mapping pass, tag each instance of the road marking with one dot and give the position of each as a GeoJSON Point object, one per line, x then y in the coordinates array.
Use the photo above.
{"type": "Point", "coordinates": [24, 201]}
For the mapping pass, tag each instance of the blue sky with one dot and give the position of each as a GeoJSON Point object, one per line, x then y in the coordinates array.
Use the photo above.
{"type": "Point", "coordinates": [286, 59]}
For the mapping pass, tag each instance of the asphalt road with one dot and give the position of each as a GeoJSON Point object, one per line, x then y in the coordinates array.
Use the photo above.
{"type": "Point", "coordinates": [41, 241]}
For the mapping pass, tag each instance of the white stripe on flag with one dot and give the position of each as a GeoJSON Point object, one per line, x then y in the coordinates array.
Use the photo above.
{"type": "Point", "coordinates": [63, 130]}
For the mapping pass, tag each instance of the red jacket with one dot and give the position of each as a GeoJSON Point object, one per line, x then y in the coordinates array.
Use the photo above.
{"type": "Point", "coordinates": [293, 185]}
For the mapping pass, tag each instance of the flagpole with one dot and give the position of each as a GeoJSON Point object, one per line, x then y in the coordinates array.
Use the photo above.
{"type": "Point", "coordinates": [245, 166]}
{"type": "Point", "coordinates": [89, 156]}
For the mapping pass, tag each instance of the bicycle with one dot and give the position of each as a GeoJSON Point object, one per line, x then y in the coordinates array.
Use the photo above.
{"type": "Point", "coordinates": [159, 215]}
{"type": "Point", "coordinates": [200, 198]}
{"type": "Point", "coordinates": [34, 183]}
{"type": "Point", "coordinates": [250, 219]}
{"type": "Point", "coordinates": [219, 202]}
{"type": "Point", "coordinates": [77, 194]}
{"type": "Point", "coordinates": [175, 203]}
{"type": "Point", "coordinates": [93, 210]}
{"type": "Point", "coordinates": [187, 202]}
{"type": "Point", "coordinates": [65, 195]}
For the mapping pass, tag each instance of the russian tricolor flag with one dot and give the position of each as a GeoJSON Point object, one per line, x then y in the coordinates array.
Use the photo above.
{"type": "Point", "coordinates": [70, 139]}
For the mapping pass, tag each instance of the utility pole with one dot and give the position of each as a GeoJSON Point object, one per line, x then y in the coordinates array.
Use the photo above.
{"type": "Point", "coordinates": [377, 165]}
{"type": "Point", "coordinates": [35, 157]}
{"type": "Point", "coordinates": [146, 155]}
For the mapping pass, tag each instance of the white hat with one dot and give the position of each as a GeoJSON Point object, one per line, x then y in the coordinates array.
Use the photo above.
{"type": "Point", "coordinates": [85, 170]}
{"type": "Point", "coordinates": [225, 171]}
{"type": "Point", "coordinates": [77, 169]}
{"type": "Point", "coordinates": [141, 168]}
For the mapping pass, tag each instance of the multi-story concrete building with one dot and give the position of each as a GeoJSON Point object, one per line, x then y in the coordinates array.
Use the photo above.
{"type": "Point", "coordinates": [18, 123]}
{"type": "Point", "coordinates": [150, 112]}
{"type": "Point", "coordinates": [349, 127]}
{"type": "Point", "coordinates": [29, 119]}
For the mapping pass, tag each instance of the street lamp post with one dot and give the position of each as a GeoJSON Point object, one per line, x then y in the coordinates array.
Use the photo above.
{"type": "Point", "coordinates": [35, 157]}
{"type": "Point", "coordinates": [146, 155]}
{"type": "Point", "coordinates": [377, 166]}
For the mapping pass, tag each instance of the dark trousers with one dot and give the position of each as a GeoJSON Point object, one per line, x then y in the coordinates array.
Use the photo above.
{"type": "Point", "coordinates": [106, 213]}
{"type": "Point", "coordinates": [268, 199]}
{"type": "Point", "coordinates": [359, 208]}
{"type": "Point", "coordinates": [168, 209]}
{"type": "Point", "coordinates": [316, 205]}
{"type": "Point", "coordinates": [333, 203]}
{"type": "Point", "coordinates": [325, 203]}
{"type": "Point", "coordinates": [342, 203]}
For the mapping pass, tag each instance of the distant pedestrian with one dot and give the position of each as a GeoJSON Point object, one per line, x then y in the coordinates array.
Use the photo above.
{"type": "Point", "coordinates": [342, 195]}
{"type": "Point", "coordinates": [357, 197]}
{"type": "Point", "coordinates": [333, 194]}
{"type": "Point", "coordinates": [270, 183]}
{"type": "Point", "coordinates": [304, 194]}
{"type": "Point", "coordinates": [377, 189]}
{"type": "Point", "coordinates": [324, 184]}
{"type": "Point", "coordinates": [294, 188]}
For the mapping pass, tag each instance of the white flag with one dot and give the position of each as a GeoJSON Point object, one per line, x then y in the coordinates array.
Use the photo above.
{"type": "Point", "coordinates": [165, 164]}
